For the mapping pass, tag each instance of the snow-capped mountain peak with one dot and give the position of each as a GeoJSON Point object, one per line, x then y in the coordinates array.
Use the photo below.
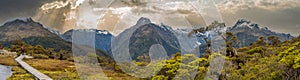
{"type": "Point", "coordinates": [166, 27]}
{"type": "Point", "coordinates": [103, 32]}
{"type": "Point", "coordinates": [249, 32]}
{"type": "Point", "coordinates": [246, 24]}
{"type": "Point", "coordinates": [143, 21]}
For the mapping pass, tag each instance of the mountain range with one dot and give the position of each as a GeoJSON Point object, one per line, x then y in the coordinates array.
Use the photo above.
{"type": "Point", "coordinates": [34, 33]}
{"type": "Point", "coordinates": [248, 32]}
{"type": "Point", "coordinates": [145, 34]}
{"type": "Point", "coordinates": [141, 36]}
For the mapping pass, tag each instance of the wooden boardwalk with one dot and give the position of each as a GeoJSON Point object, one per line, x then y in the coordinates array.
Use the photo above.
{"type": "Point", "coordinates": [38, 75]}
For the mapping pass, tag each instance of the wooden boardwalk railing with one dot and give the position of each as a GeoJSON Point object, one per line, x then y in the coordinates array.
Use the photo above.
{"type": "Point", "coordinates": [38, 75]}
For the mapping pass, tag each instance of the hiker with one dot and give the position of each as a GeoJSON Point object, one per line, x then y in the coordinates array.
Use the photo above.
{"type": "Point", "coordinates": [23, 50]}
{"type": "Point", "coordinates": [1, 47]}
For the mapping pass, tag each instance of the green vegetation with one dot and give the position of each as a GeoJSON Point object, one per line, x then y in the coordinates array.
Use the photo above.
{"type": "Point", "coordinates": [20, 74]}
{"type": "Point", "coordinates": [266, 59]}
{"type": "Point", "coordinates": [58, 65]}
{"type": "Point", "coordinates": [39, 52]}
{"type": "Point", "coordinates": [171, 68]}
{"type": "Point", "coordinates": [260, 62]}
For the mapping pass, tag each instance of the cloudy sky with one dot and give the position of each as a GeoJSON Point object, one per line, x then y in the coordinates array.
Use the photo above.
{"type": "Point", "coordinates": [10, 9]}
{"type": "Point", "coordinates": [277, 15]}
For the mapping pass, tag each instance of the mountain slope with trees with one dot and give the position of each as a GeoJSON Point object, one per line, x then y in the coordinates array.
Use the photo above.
{"type": "Point", "coordinates": [268, 58]}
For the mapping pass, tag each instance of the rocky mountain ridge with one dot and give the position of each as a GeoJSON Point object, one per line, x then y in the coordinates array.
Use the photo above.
{"type": "Point", "coordinates": [248, 32]}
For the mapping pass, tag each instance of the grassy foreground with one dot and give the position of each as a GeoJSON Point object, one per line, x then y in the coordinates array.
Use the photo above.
{"type": "Point", "coordinates": [18, 72]}
{"type": "Point", "coordinates": [56, 69]}
{"type": "Point", "coordinates": [7, 60]}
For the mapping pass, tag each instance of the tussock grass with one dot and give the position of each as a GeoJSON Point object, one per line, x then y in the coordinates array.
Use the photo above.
{"type": "Point", "coordinates": [50, 64]}
{"type": "Point", "coordinates": [57, 70]}
{"type": "Point", "coordinates": [7, 60]}
{"type": "Point", "coordinates": [20, 74]}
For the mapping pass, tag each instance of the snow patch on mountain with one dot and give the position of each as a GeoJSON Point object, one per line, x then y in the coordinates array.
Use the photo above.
{"type": "Point", "coordinates": [102, 32]}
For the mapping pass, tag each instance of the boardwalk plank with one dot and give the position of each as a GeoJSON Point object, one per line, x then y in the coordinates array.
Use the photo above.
{"type": "Point", "coordinates": [31, 70]}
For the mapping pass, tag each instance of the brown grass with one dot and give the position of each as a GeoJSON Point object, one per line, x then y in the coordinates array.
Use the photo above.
{"type": "Point", "coordinates": [7, 60]}
{"type": "Point", "coordinates": [56, 69]}
{"type": "Point", "coordinates": [66, 70]}
{"type": "Point", "coordinates": [50, 64]}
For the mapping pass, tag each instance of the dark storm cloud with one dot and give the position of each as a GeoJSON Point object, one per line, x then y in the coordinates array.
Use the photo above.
{"type": "Point", "coordinates": [10, 9]}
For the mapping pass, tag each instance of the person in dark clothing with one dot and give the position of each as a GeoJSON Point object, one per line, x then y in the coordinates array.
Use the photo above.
{"type": "Point", "coordinates": [23, 50]}
{"type": "Point", "coordinates": [1, 47]}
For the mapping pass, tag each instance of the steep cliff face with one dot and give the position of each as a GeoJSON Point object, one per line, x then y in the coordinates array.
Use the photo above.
{"type": "Point", "coordinates": [145, 34]}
